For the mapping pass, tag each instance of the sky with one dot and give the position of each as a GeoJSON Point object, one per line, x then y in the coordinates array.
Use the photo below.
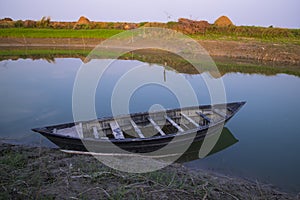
{"type": "Point", "coordinates": [279, 13]}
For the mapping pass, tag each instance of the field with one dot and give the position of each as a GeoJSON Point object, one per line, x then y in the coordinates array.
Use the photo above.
{"type": "Point", "coordinates": [57, 33]}
{"type": "Point", "coordinates": [235, 33]}
{"type": "Point", "coordinates": [250, 33]}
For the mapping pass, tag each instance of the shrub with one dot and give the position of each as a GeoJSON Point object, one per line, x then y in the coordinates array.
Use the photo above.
{"type": "Point", "coordinates": [43, 23]}
{"type": "Point", "coordinates": [142, 24]}
{"type": "Point", "coordinates": [19, 24]}
{"type": "Point", "coordinates": [29, 24]}
{"type": "Point", "coordinates": [81, 26]}
{"type": "Point", "coordinates": [110, 25]}
{"type": "Point", "coordinates": [171, 24]}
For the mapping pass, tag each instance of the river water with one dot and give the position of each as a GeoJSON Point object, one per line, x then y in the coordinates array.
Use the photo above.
{"type": "Point", "coordinates": [37, 93]}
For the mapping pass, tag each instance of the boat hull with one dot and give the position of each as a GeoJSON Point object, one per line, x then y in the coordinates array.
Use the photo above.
{"type": "Point", "coordinates": [161, 144]}
{"type": "Point", "coordinates": [167, 145]}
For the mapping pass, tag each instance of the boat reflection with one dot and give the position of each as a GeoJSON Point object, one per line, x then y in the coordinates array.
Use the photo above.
{"type": "Point", "coordinates": [225, 140]}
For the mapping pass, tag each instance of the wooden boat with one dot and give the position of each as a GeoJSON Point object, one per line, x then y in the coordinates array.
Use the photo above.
{"type": "Point", "coordinates": [142, 132]}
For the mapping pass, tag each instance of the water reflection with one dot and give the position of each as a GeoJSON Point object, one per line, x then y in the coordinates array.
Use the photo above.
{"type": "Point", "coordinates": [225, 140]}
{"type": "Point", "coordinates": [163, 58]}
{"type": "Point", "coordinates": [149, 162]}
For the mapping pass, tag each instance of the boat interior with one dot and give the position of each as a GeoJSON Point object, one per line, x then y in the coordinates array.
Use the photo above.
{"type": "Point", "coordinates": [146, 125]}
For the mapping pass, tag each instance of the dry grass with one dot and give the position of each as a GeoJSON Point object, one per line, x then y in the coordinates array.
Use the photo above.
{"type": "Point", "coordinates": [39, 173]}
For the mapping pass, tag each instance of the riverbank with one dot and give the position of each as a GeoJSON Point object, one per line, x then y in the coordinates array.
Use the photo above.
{"type": "Point", "coordinates": [280, 54]}
{"type": "Point", "coordinates": [43, 173]}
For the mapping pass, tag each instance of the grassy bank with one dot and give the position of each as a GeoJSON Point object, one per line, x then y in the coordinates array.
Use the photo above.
{"type": "Point", "coordinates": [251, 33]}
{"type": "Point", "coordinates": [233, 33]}
{"type": "Point", "coordinates": [41, 173]}
{"type": "Point", "coordinates": [57, 33]}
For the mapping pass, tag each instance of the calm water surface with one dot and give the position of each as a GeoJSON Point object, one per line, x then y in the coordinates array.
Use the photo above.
{"type": "Point", "coordinates": [38, 93]}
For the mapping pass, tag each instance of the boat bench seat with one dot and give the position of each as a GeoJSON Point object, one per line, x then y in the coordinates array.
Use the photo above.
{"type": "Point", "coordinates": [116, 130]}
{"type": "Point", "coordinates": [206, 120]}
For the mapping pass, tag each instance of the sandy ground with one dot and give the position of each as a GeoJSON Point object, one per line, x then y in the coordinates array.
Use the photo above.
{"type": "Point", "coordinates": [278, 53]}
{"type": "Point", "coordinates": [43, 173]}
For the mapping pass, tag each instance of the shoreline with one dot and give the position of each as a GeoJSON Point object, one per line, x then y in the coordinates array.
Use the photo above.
{"type": "Point", "coordinates": [40, 172]}
{"type": "Point", "coordinates": [252, 50]}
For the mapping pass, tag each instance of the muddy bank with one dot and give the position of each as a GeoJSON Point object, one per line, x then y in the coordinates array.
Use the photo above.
{"type": "Point", "coordinates": [39, 173]}
{"type": "Point", "coordinates": [275, 53]}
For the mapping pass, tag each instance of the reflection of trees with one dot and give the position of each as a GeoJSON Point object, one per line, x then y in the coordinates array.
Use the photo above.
{"type": "Point", "coordinates": [167, 59]}
{"type": "Point", "coordinates": [225, 65]}
{"type": "Point", "coordinates": [49, 58]}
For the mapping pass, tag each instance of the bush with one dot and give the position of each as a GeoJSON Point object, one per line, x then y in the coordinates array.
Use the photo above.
{"type": "Point", "coordinates": [142, 24]}
{"type": "Point", "coordinates": [29, 24]}
{"type": "Point", "coordinates": [110, 25]}
{"type": "Point", "coordinates": [19, 24]}
{"type": "Point", "coordinates": [81, 26]}
{"type": "Point", "coordinates": [172, 24]}
{"type": "Point", "coordinates": [43, 23]}
{"type": "Point", "coordinates": [6, 24]}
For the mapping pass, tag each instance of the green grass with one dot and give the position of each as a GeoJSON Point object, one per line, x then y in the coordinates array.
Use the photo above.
{"type": "Point", "coordinates": [234, 33]}
{"type": "Point", "coordinates": [251, 33]}
{"type": "Point", "coordinates": [13, 159]}
{"type": "Point", "coordinates": [233, 37]}
{"type": "Point", "coordinates": [56, 33]}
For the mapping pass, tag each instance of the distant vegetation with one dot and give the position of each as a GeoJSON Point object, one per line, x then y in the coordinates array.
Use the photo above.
{"type": "Point", "coordinates": [222, 29]}
{"type": "Point", "coordinates": [82, 23]}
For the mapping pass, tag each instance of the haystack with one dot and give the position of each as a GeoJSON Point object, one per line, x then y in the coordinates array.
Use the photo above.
{"type": "Point", "coordinates": [83, 20]}
{"type": "Point", "coordinates": [6, 19]}
{"type": "Point", "coordinates": [223, 21]}
{"type": "Point", "coordinates": [191, 26]}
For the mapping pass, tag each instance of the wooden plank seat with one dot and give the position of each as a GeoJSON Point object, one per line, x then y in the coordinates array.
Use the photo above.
{"type": "Point", "coordinates": [206, 120]}
{"type": "Point", "coordinates": [156, 126]}
{"type": "Point", "coordinates": [97, 134]}
{"type": "Point", "coordinates": [174, 123]}
{"type": "Point", "coordinates": [137, 130]}
{"type": "Point", "coordinates": [116, 130]}
{"type": "Point", "coordinates": [189, 119]}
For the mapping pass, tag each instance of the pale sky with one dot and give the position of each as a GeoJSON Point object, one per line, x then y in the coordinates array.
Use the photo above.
{"type": "Point", "coordinates": [279, 13]}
